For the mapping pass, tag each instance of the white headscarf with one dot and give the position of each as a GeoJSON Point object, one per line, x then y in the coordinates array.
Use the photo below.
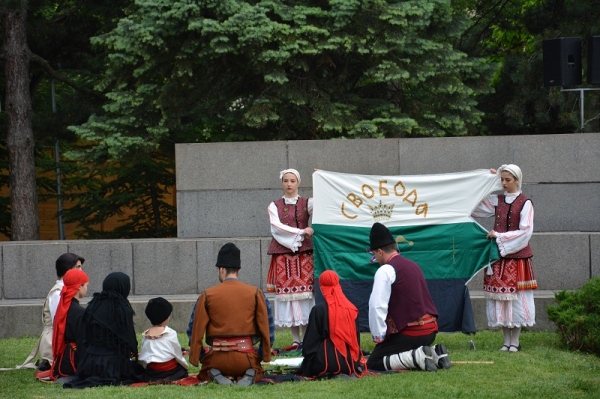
{"type": "Point", "coordinates": [513, 170]}
{"type": "Point", "coordinates": [292, 171]}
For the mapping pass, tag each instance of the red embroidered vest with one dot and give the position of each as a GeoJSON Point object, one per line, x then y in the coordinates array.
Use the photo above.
{"type": "Point", "coordinates": [508, 217]}
{"type": "Point", "coordinates": [293, 216]}
{"type": "Point", "coordinates": [410, 298]}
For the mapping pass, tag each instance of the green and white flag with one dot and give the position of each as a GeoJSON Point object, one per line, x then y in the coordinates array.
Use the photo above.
{"type": "Point", "coordinates": [430, 217]}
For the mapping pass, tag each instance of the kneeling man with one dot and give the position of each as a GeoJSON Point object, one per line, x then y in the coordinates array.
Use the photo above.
{"type": "Point", "coordinates": [402, 315]}
{"type": "Point", "coordinates": [234, 317]}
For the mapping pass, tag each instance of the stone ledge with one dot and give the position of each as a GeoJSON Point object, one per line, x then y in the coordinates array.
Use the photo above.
{"type": "Point", "coordinates": [28, 313]}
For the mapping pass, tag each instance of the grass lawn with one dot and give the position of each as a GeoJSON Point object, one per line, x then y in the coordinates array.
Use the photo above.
{"type": "Point", "coordinates": [543, 369]}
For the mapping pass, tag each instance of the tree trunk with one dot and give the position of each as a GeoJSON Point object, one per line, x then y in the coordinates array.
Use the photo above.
{"type": "Point", "coordinates": [20, 141]}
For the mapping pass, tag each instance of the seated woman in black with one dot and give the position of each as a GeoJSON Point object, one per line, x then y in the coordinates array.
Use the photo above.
{"type": "Point", "coordinates": [67, 338]}
{"type": "Point", "coordinates": [109, 336]}
{"type": "Point", "coordinates": [331, 343]}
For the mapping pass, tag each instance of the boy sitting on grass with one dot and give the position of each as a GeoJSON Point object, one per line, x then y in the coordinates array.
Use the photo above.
{"type": "Point", "coordinates": [161, 354]}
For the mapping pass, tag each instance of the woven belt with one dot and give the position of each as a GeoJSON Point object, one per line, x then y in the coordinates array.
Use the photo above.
{"type": "Point", "coordinates": [232, 344]}
{"type": "Point", "coordinates": [422, 320]}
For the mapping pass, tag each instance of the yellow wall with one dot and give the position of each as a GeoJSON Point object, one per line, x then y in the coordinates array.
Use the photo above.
{"type": "Point", "coordinates": [49, 221]}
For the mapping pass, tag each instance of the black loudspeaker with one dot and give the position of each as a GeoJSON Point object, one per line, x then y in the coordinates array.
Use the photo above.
{"type": "Point", "coordinates": [562, 61]}
{"type": "Point", "coordinates": [593, 72]}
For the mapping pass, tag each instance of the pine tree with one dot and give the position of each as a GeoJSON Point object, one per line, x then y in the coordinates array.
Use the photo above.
{"type": "Point", "coordinates": [281, 69]}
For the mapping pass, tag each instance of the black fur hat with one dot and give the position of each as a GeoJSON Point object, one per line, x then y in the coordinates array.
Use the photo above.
{"type": "Point", "coordinates": [380, 236]}
{"type": "Point", "coordinates": [229, 256]}
{"type": "Point", "coordinates": [158, 310]}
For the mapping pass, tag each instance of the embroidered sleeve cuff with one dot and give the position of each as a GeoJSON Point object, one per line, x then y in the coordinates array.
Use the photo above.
{"type": "Point", "coordinates": [501, 247]}
{"type": "Point", "coordinates": [378, 338]}
{"type": "Point", "coordinates": [297, 241]}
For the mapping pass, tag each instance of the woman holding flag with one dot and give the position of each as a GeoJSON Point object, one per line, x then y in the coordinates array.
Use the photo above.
{"type": "Point", "coordinates": [509, 282]}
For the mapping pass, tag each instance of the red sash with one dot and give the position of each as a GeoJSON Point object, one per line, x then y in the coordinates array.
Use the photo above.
{"type": "Point", "coordinates": [423, 326]}
{"type": "Point", "coordinates": [164, 366]}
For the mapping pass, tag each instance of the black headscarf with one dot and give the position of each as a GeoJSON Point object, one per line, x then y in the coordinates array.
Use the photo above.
{"type": "Point", "coordinates": [111, 309]}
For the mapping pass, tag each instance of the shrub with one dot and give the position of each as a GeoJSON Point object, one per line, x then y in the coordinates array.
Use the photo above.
{"type": "Point", "coordinates": [577, 316]}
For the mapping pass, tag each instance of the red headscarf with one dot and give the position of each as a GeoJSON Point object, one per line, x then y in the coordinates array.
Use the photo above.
{"type": "Point", "coordinates": [73, 279]}
{"type": "Point", "coordinates": [342, 314]}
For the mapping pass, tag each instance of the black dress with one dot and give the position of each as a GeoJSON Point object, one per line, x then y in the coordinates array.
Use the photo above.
{"type": "Point", "coordinates": [321, 358]}
{"type": "Point", "coordinates": [109, 336]}
{"type": "Point", "coordinates": [66, 364]}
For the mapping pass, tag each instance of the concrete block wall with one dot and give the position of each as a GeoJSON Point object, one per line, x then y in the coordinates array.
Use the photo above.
{"type": "Point", "coordinates": [223, 190]}
{"type": "Point", "coordinates": [177, 269]}
{"type": "Point", "coordinates": [226, 187]}
{"type": "Point", "coordinates": [156, 266]}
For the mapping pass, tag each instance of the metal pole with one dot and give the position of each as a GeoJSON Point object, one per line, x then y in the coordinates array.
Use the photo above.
{"type": "Point", "coordinates": [61, 227]}
{"type": "Point", "coordinates": [581, 106]}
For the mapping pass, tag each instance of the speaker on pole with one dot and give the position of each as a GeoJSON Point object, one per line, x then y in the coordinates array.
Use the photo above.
{"type": "Point", "coordinates": [562, 61]}
{"type": "Point", "coordinates": [593, 72]}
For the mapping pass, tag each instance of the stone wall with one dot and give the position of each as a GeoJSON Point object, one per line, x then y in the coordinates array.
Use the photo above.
{"type": "Point", "coordinates": [226, 187]}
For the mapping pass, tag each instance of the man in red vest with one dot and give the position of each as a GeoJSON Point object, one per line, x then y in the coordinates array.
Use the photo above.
{"type": "Point", "coordinates": [402, 315]}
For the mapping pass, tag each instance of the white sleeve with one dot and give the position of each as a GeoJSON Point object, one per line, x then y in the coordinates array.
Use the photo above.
{"type": "Point", "coordinates": [379, 300]}
{"type": "Point", "coordinates": [513, 241]}
{"type": "Point", "coordinates": [177, 349]}
{"type": "Point", "coordinates": [53, 301]}
{"type": "Point", "coordinates": [289, 237]}
{"type": "Point", "coordinates": [486, 208]}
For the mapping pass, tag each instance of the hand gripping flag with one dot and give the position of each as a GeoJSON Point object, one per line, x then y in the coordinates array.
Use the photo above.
{"type": "Point", "coordinates": [430, 217]}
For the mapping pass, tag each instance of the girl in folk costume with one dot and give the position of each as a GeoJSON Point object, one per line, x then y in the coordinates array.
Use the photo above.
{"type": "Point", "coordinates": [291, 274]}
{"type": "Point", "coordinates": [332, 342]}
{"type": "Point", "coordinates": [509, 282]}
{"type": "Point", "coordinates": [109, 336]}
{"type": "Point", "coordinates": [67, 339]}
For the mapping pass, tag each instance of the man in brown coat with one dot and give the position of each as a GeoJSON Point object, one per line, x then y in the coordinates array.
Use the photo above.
{"type": "Point", "coordinates": [234, 317]}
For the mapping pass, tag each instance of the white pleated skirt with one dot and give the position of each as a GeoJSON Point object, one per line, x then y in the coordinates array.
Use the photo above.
{"type": "Point", "coordinates": [293, 313]}
{"type": "Point", "coordinates": [519, 312]}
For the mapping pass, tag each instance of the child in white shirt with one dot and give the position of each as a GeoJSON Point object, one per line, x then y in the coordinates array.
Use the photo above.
{"type": "Point", "coordinates": [161, 354]}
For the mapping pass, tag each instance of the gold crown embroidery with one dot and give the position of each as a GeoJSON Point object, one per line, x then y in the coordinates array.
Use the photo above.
{"type": "Point", "coordinates": [382, 211]}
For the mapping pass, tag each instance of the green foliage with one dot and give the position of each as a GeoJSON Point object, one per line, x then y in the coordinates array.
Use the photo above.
{"type": "Point", "coordinates": [12, 5]}
{"type": "Point", "coordinates": [510, 33]}
{"type": "Point", "coordinates": [231, 70]}
{"type": "Point", "coordinates": [131, 190]}
{"type": "Point", "coordinates": [577, 316]}
{"type": "Point", "coordinates": [59, 32]}
{"type": "Point", "coordinates": [280, 69]}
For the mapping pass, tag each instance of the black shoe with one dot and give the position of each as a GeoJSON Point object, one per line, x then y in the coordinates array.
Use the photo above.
{"type": "Point", "coordinates": [514, 348]}
{"type": "Point", "coordinates": [443, 359]}
{"type": "Point", "coordinates": [429, 363]}
{"type": "Point", "coordinates": [44, 365]}
{"type": "Point", "coordinates": [216, 376]}
{"type": "Point", "coordinates": [247, 379]}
